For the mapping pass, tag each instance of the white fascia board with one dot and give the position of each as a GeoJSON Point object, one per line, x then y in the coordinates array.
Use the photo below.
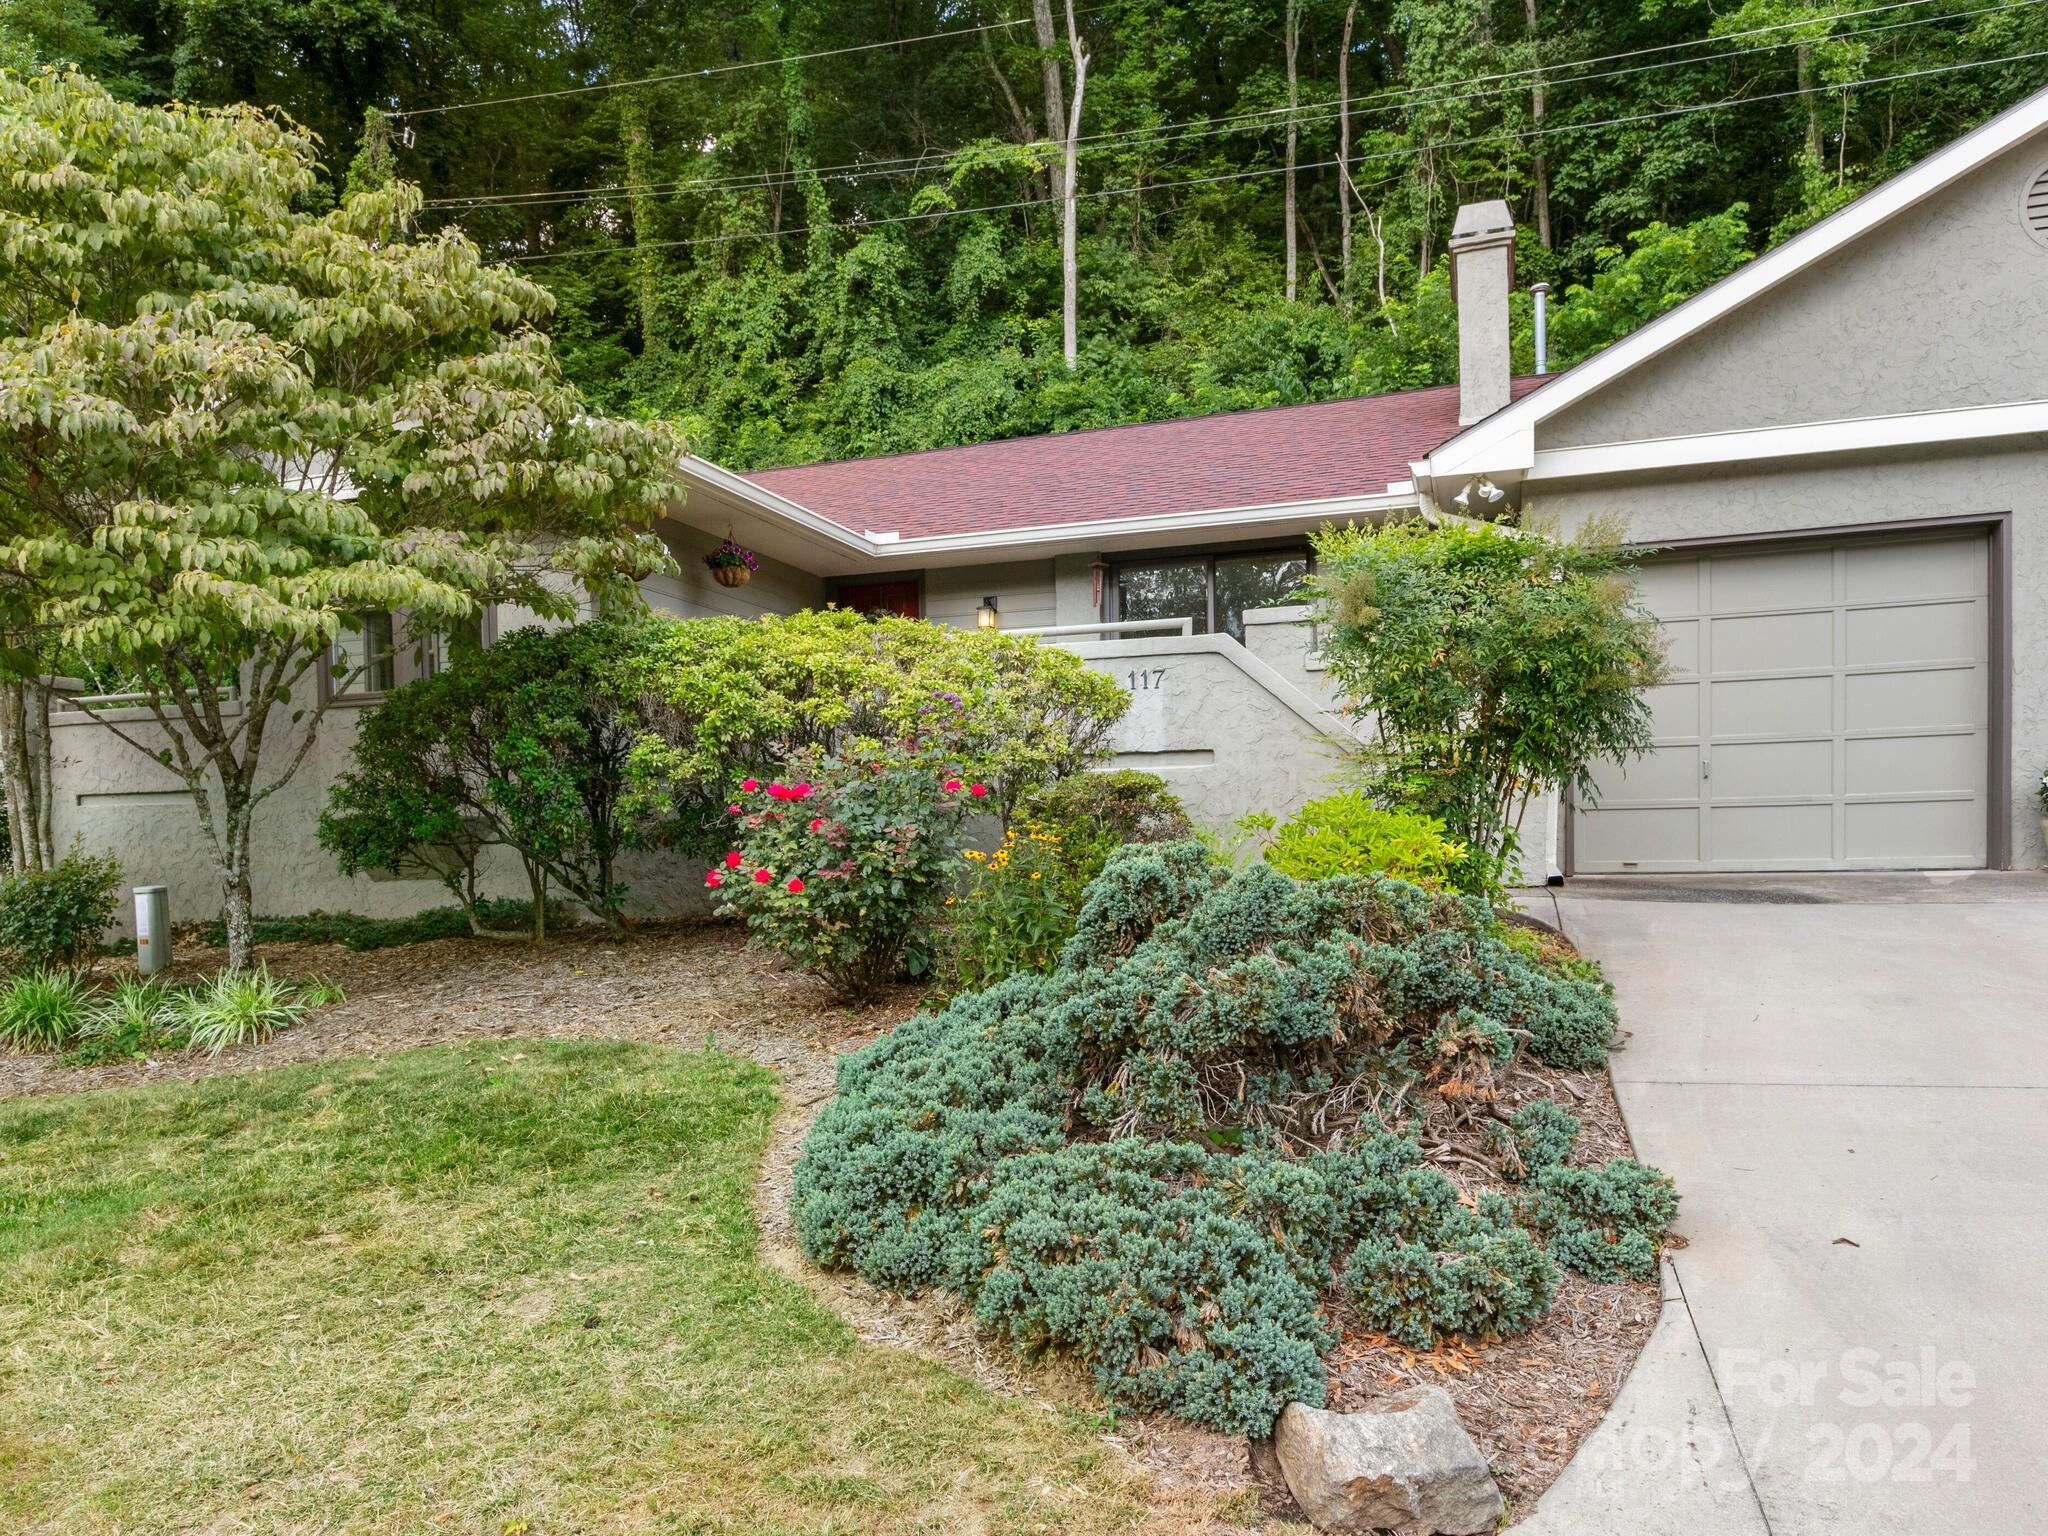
{"type": "Point", "coordinates": [1498, 443]}
{"type": "Point", "coordinates": [1864, 434]}
{"type": "Point", "coordinates": [779, 508]}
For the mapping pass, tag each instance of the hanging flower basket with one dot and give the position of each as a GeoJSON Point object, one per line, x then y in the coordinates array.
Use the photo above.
{"type": "Point", "coordinates": [732, 564]}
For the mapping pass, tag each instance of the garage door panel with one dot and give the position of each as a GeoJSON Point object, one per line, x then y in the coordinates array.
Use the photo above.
{"type": "Point", "coordinates": [1669, 586]}
{"type": "Point", "coordinates": [1674, 710]}
{"type": "Point", "coordinates": [1912, 765]}
{"type": "Point", "coordinates": [1917, 832]}
{"type": "Point", "coordinates": [1772, 706]}
{"type": "Point", "coordinates": [1802, 580]}
{"type": "Point", "coordinates": [1826, 707]}
{"type": "Point", "coordinates": [1884, 573]}
{"type": "Point", "coordinates": [1756, 770]}
{"type": "Point", "coordinates": [1682, 648]}
{"type": "Point", "coordinates": [1753, 836]}
{"type": "Point", "coordinates": [1920, 700]}
{"type": "Point", "coordinates": [1664, 773]}
{"type": "Point", "coordinates": [1774, 642]}
{"type": "Point", "coordinates": [1628, 837]}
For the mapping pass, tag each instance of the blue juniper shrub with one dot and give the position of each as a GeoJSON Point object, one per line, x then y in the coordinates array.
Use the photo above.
{"type": "Point", "coordinates": [1539, 1135]}
{"type": "Point", "coordinates": [1608, 1223]}
{"type": "Point", "coordinates": [1156, 1158]}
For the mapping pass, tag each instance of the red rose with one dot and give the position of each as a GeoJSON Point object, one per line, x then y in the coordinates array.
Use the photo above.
{"type": "Point", "coordinates": [796, 886]}
{"type": "Point", "coordinates": [817, 823]}
{"type": "Point", "coordinates": [800, 791]}
{"type": "Point", "coordinates": [713, 879]}
{"type": "Point", "coordinates": [978, 791]}
{"type": "Point", "coordinates": [762, 877]}
{"type": "Point", "coordinates": [750, 785]}
{"type": "Point", "coordinates": [732, 810]}
{"type": "Point", "coordinates": [952, 786]}
{"type": "Point", "coordinates": [777, 792]}
{"type": "Point", "coordinates": [732, 860]}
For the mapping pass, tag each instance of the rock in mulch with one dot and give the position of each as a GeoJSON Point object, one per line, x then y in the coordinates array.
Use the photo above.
{"type": "Point", "coordinates": [1408, 1467]}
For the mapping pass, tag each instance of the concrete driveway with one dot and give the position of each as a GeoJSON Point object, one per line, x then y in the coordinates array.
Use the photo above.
{"type": "Point", "coordinates": [1849, 1079]}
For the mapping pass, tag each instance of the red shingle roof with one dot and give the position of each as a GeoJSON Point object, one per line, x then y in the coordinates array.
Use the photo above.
{"type": "Point", "coordinates": [1152, 469]}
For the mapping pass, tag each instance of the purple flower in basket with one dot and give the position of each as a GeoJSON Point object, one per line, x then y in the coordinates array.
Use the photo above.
{"type": "Point", "coordinates": [729, 555]}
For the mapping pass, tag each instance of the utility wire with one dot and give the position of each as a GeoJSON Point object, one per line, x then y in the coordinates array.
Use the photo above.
{"type": "Point", "coordinates": [858, 224]}
{"type": "Point", "coordinates": [729, 69]}
{"type": "Point", "coordinates": [1168, 133]}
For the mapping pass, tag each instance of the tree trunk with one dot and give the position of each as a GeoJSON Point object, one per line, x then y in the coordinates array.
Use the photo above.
{"type": "Point", "coordinates": [537, 884]}
{"type": "Point", "coordinates": [1293, 30]}
{"type": "Point", "coordinates": [1803, 54]}
{"type": "Point", "coordinates": [633, 143]}
{"type": "Point", "coordinates": [1345, 190]}
{"type": "Point", "coordinates": [1539, 168]}
{"type": "Point", "coordinates": [237, 889]}
{"type": "Point", "coordinates": [25, 771]}
{"type": "Point", "coordinates": [1070, 269]}
{"type": "Point", "coordinates": [1055, 94]}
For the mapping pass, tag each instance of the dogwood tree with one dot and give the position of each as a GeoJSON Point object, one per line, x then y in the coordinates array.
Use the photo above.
{"type": "Point", "coordinates": [228, 425]}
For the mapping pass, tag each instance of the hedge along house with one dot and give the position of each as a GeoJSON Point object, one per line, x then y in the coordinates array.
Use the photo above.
{"type": "Point", "coordinates": [1836, 460]}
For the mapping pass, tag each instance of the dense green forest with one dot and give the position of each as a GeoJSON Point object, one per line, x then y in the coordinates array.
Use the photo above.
{"type": "Point", "coordinates": [811, 230]}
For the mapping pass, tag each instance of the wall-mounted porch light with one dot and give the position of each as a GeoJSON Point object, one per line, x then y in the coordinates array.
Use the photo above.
{"type": "Point", "coordinates": [986, 616]}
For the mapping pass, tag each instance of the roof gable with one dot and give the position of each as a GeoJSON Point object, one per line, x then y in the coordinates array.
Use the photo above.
{"type": "Point", "coordinates": [1506, 441]}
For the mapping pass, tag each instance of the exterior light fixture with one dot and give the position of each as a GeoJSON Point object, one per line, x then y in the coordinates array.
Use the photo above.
{"type": "Point", "coordinates": [986, 616]}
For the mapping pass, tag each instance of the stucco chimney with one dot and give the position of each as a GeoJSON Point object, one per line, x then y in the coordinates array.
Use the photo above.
{"type": "Point", "coordinates": [1482, 271]}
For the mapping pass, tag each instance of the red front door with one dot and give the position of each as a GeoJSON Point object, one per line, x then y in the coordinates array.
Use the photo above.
{"type": "Point", "coordinates": [897, 597]}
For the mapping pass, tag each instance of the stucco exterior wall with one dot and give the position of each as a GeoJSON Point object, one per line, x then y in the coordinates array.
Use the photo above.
{"type": "Point", "coordinates": [1228, 733]}
{"type": "Point", "coordinates": [1891, 490]}
{"type": "Point", "coordinates": [1945, 306]}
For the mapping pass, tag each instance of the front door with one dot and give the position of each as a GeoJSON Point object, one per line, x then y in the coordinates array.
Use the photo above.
{"type": "Point", "coordinates": [872, 597]}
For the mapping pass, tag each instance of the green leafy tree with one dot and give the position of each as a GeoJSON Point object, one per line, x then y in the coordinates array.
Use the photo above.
{"type": "Point", "coordinates": [1661, 269]}
{"type": "Point", "coordinates": [228, 424]}
{"type": "Point", "coordinates": [522, 745]}
{"type": "Point", "coordinates": [1491, 663]}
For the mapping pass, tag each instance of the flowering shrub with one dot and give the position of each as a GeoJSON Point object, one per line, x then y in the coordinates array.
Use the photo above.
{"type": "Point", "coordinates": [1134, 1158]}
{"type": "Point", "coordinates": [845, 865]}
{"type": "Point", "coordinates": [1094, 814]}
{"type": "Point", "coordinates": [730, 555]}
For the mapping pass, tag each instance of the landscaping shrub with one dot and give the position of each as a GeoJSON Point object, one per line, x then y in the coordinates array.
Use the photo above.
{"type": "Point", "coordinates": [1494, 664]}
{"type": "Point", "coordinates": [241, 1007]}
{"type": "Point", "coordinates": [1093, 814]}
{"type": "Point", "coordinates": [730, 698]}
{"type": "Point", "coordinates": [353, 931]}
{"type": "Point", "coordinates": [1346, 834]}
{"type": "Point", "coordinates": [844, 866]}
{"type": "Point", "coordinates": [1555, 951]}
{"type": "Point", "coordinates": [42, 1010]}
{"type": "Point", "coordinates": [522, 745]}
{"type": "Point", "coordinates": [1608, 1223]}
{"type": "Point", "coordinates": [1157, 1156]}
{"type": "Point", "coordinates": [55, 917]}
{"type": "Point", "coordinates": [1539, 1135]}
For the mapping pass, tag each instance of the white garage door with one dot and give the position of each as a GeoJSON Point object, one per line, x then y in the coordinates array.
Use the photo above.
{"type": "Point", "coordinates": [1827, 708]}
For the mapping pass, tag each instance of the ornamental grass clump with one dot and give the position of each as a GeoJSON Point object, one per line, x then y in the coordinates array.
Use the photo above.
{"type": "Point", "coordinates": [1160, 1157]}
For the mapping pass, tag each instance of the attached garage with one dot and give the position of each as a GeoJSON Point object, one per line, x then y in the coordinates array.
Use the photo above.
{"type": "Point", "coordinates": [1828, 706]}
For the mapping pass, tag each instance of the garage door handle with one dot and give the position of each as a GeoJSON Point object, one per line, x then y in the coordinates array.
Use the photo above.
{"type": "Point", "coordinates": [1706, 769]}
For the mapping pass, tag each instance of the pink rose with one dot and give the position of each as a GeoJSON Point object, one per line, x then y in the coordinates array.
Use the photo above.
{"type": "Point", "coordinates": [817, 823]}
{"type": "Point", "coordinates": [952, 786]}
{"type": "Point", "coordinates": [762, 877]}
{"type": "Point", "coordinates": [713, 879]}
{"type": "Point", "coordinates": [748, 786]}
{"type": "Point", "coordinates": [978, 791]}
{"type": "Point", "coordinates": [732, 810]}
{"type": "Point", "coordinates": [732, 860]}
{"type": "Point", "coordinates": [795, 886]}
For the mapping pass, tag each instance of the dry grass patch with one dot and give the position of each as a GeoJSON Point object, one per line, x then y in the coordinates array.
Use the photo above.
{"type": "Point", "coordinates": [499, 1287]}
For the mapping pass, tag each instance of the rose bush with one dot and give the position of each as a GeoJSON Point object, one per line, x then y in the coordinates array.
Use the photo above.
{"type": "Point", "coordinates": [844, 865]}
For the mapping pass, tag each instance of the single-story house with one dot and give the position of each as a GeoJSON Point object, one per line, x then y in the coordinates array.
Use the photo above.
{"type": "Point", "coordinates": [1836, 460]}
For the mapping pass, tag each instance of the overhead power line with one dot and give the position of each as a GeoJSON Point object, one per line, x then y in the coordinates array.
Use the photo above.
{"type": "Point", "coordinates": [1168, 133]}
{"type": "Point", "coordinates": [1519, 135]}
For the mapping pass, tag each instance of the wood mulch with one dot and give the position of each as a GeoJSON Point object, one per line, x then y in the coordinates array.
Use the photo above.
{"type": "Point", "coordinates": [1527, 1401]}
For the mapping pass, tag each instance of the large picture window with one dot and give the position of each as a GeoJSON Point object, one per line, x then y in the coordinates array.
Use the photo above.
{"type": "Point", "coordinates": [374, 654]}
{"type": "Point", "coordinates": [1213, 590]}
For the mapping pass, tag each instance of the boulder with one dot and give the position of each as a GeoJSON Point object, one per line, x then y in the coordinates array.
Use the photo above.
{"type": "Point", "coordinates": [1407, 1466]}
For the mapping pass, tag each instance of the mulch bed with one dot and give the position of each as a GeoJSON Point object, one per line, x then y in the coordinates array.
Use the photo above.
{"type": "Point", "coordinates": [1527, 1401]}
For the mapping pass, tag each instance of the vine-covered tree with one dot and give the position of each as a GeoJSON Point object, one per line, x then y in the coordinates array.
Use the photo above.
{"type": "Point", "coordinates": [228, 425]}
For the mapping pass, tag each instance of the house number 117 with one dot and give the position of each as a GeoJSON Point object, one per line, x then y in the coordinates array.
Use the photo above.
{"type": "Point", "coordinates": [1145, 681]}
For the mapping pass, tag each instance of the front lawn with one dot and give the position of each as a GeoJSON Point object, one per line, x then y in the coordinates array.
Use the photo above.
{"type": "Point", "coordinates": [506, 1287]}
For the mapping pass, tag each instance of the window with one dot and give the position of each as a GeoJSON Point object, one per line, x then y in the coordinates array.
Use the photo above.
{"type": "Point", "coordinates": [1213, 590]}
{"type": "Point", "coordinates": [361, 663]}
